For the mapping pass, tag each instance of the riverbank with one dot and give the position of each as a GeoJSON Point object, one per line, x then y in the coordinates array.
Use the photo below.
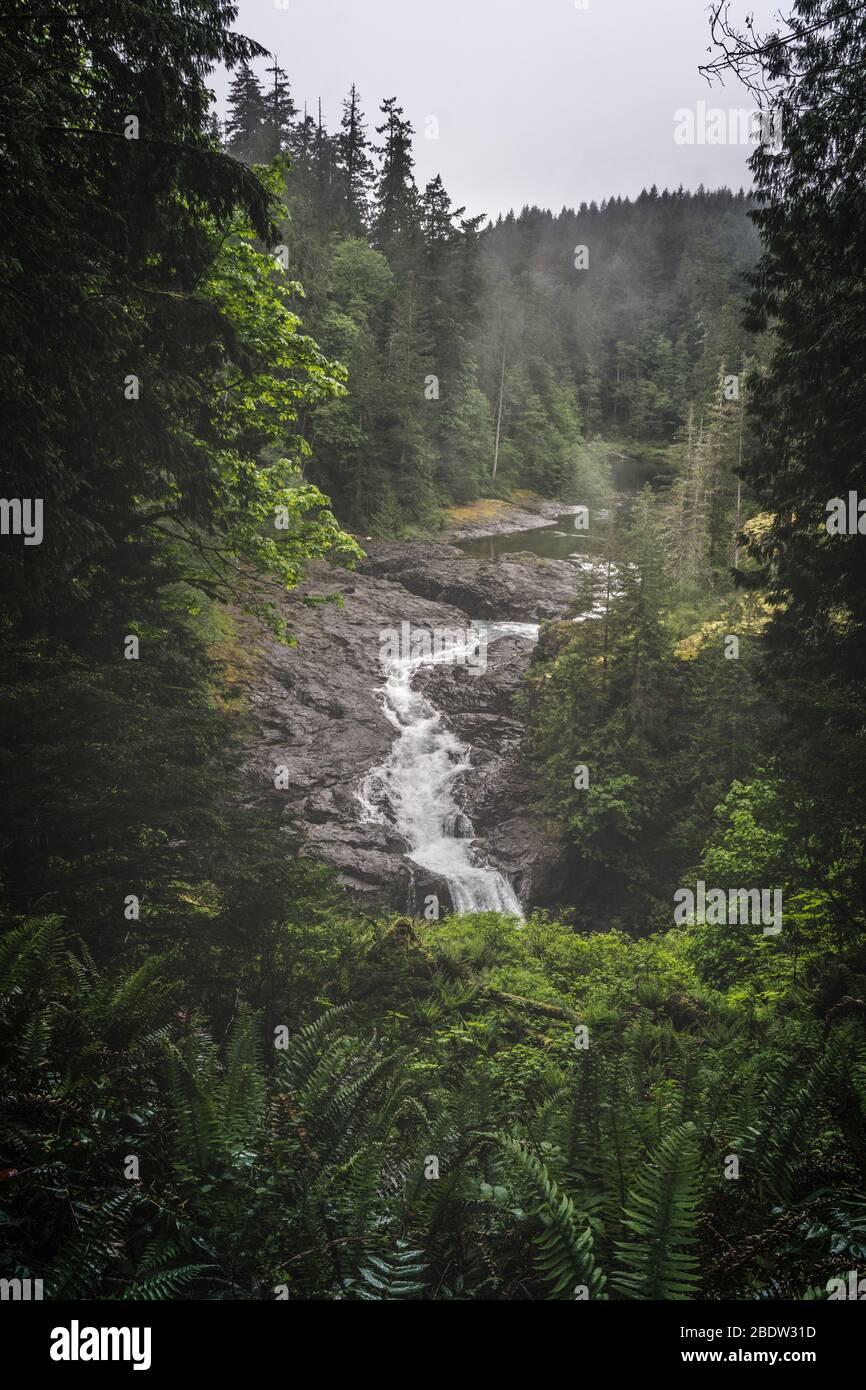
{"type": "Point", "coordinates": [494, 516]}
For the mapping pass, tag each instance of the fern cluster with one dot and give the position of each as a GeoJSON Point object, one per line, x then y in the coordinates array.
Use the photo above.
{"type": "Point", "coordinates": [395, 1150]}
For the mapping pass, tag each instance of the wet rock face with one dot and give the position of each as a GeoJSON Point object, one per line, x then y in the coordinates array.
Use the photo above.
{"type": "Point", "coordinates": [317, 713]}
{"type": "Point", "coordinates": [519, 587]}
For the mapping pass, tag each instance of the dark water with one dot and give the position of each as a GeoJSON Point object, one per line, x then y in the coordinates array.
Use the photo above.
{"type": "Point", "coordinates": [557, 541]}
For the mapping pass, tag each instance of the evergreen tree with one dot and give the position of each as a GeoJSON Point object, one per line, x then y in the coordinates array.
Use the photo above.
{"type": "Point", "coordinates": [246, 135]}
{"type": "Point", "coordinates": [303, 141]}
{"type": "Point", "coordinates": [324, 162]}
{"type": "Point", "coordinates": [354, 165]}
{"type": "Point", "coordinates": [278, 109]}
{"type": "Point", "coordinates": [395, 218]}
{"type": "Point", "coordinates": [437, 215]}
{"type": "Point", "coordinates": [810, 416]}
{"type": "Point", "coordinates": [149, 469]}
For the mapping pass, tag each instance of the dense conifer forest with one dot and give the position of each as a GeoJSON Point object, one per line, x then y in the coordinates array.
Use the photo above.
{"type": "Point", "coordinates": [528, 359]}
{"type": "Point", "coordinates": [239, 348]}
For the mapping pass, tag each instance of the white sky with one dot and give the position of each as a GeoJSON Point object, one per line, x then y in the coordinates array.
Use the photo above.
{"type": "Point", "coordinates": [538, 101]}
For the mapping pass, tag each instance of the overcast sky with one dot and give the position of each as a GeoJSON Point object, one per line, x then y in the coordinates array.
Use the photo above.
{"type": "Point", "coordinates": [537, 101]}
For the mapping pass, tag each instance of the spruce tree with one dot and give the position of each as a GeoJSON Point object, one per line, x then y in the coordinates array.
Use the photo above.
{"type": "Point", "coordinates": [246, 137]}
{"type": "Point", "coordinates": [302, 141]}
{"type": "Point", "coordinates": [354, 165]}
{"type": "Point", "coordinates": [396, 216]}
{"type": "Point", "coordinates": [278, 108]}
{"type": "Point", "coordinates": [810, 420]}
{"type": "Point", "coordinates": [437, 215]}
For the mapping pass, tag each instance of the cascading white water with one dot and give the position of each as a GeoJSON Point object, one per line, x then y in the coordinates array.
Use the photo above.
{"type": "Point", "coordinates": [414, 788]}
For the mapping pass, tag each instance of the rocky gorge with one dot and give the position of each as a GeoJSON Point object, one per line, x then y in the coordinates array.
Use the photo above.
{"type": "Point", "coordinates": [320, 712]}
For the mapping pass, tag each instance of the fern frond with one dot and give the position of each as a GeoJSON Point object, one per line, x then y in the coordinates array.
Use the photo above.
{"type": "Point", "coordinates": [243, 1090]}
{"type": "Point", "coordinates": [563, 1258]}
{"type": "Point", "coordinates": [163, 1284]}
{"type": "Point", "coordinates": [389, 1278]}
{"type": "Point", "coordinates": [775, 1145]}
{"type": "Point", "coordinates": [662, 1214]}
{"type": "Point", "coordinates": [192, 1093]}
{"type": "Point", "coordinates": [30, 952]}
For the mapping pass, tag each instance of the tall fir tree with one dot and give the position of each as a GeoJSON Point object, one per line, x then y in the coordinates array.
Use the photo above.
{"type": "Point", "coordinates": [302, 141]}
{"type": "Point", "coordinates": [396, 218]}
{"type": "Point", "coordinates": [246, 135]}
{"type": "Point", "coordinates": [279, 109]}
{"type": "Point", "coordinates": [810, 418]}
{"type": "Point", "coordinates": [354, 165]}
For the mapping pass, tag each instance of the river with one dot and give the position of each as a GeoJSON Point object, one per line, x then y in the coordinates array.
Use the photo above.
{"type": "Point", "coordinates": [416, 788]}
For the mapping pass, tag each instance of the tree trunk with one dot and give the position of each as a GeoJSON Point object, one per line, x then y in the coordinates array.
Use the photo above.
{"type": "Point", "coordinates": [499, 414]}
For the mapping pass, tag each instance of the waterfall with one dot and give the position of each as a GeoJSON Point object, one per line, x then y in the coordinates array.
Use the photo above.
{"type": "Point", "coordinates": [413, 790]}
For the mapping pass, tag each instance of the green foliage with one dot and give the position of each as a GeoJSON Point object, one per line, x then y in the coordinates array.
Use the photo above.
{"type": "Point", "coordinates": [660, 720]}
{"type": "Point", "coordinates": [795, 1090]}
{"type": "Point", "coordinates": [661, 1216]}
{"type": "Point", "coordinates": [394, 1278]}
{"type": "Point", "coordinates": [494, 1111]}
{"type": "Point", "coordinates": [533, 360]}
{"type": "Point", "coordinates": [563, 1257]}
{"type": "Point", "coordinates": [309, 1165]}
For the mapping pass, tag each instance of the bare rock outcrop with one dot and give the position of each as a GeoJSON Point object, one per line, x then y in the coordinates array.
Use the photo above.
{"type": "Point", "coordinates": [317, 713]}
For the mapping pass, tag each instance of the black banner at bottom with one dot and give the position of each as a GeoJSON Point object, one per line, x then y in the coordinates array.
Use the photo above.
{"type": "Point", "coordinates": [229, 1338]}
